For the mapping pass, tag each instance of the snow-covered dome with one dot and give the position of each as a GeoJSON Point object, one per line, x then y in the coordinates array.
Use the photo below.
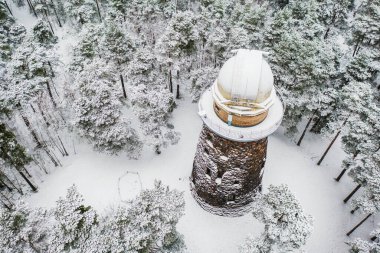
{"type": "Point", "coordinates": [244, 91]}
{"type": "Point", "coordinates": [246, 76]}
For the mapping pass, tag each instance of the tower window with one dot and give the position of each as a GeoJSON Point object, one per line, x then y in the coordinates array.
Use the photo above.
{"type": "Point", "coordinates": [231, 197]}
{"type": "Point", "coordinates": [208, 172]}
{"type": "Point", "coordinates": [236, 182]}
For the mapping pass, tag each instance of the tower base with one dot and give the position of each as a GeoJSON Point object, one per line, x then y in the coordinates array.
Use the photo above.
{"type": "Point", "coordinates": [227, 174]}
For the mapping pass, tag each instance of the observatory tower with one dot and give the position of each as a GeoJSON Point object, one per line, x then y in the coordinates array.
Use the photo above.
{"type": "Point", "coordinates": [239, 112]}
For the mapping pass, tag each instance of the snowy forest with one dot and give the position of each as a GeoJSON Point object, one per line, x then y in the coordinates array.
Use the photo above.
{"type": "Point", "coordinates": [99, 124]}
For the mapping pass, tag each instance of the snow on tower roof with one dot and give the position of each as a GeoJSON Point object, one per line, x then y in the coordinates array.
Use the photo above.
{"type": "Point", "coordinates": [246, 76]}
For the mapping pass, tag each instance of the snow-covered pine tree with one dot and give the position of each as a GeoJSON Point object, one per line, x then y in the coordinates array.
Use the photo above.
{"type": "Point", "coordinates": [360, 137]}
{"type": "Point", "coordinates": [115, 44]}
{"type": "Point", "coordinates": [282, 216]}
{"type": "Point", "coordinates": [11, 34]}
{"type": "Point", "coordinates": [362, 246]}
{"type": "Point", "coordinates": [201, 79]}
{"type": "Point", "coordinates": [118, 9]}
{"type": "Point", "coordinates": [360, 67]}
{"type": "Point", "coordinates": [369, 201]}
{"type": "Point", "coordinates": [14, 155]}
{"type": "Point", "coordinates": [334, 14]}
{"type": "Point", "coordinates": [152, 220]}
{"type": "Point", "coordinates": [98, 110]}
{"type": "Point", "coordinates": [43, 34]}
{"type": "Point", "coordinates": [29, 74]}
{"type": "Point", "coordinates": [87, 47]}
{"type": "Point", "coordinates": [74, 224]}
{"type": "Point", "coordinates": [363, 170]}
{"type": "Point", "coordinates": [177, 44]}
{"type": "Point", "coordinates": [237, 38]}
{"type": "Point", "coordinates": [354, 100]}
{"type": "Point", "coordinates": [150, 98]}
{"type": "Point", "coordinates": [24, 229]}
{"type": "Point", "coordinates": [366, 26]}
{"type": "Point", "coordinates": [81, 11]}
{"type": "Point", "coordinates": [302, 70]}
{"type": "Point", "coordinates": [252, 17]}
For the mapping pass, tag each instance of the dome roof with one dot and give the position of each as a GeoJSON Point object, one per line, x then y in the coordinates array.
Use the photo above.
{"type": "Point", "coordinates": [246, 76]}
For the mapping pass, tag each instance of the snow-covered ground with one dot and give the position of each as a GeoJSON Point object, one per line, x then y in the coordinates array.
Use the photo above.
{"type": "Point", "coordinates": [106, 180]}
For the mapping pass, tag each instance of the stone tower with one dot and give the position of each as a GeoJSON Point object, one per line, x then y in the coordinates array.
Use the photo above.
{"type": "Point", "coordinates": [239, 112]}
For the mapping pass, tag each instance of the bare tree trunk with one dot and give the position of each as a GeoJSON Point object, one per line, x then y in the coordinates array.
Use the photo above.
{"type": "Point", "coordinates": [359, 224]}
{"type": "Point", "coordinates": [332, 142]}
{"type": "Point", "coordinates": [31, 106]}
{"type": "Point", "coordinates": [32, 8]}
{"type": "Point", "coordinates": [33, 133]}
{"type": "Point", "coordinates": [55, 12]}
{"type": "Point", "coordinates": [63, 146]}
{"type": "Point", "coordinates": [9, 9]}
{"type": "Point", "coordinates": [43, 114]}
{"type": "Point", "coordinates": [50, 94]}
{"type": "Point", "coordinates": [8, 205]}
{"type": "Point", "coordinates": [51, 158]}
{"type": "Point", "coordinates": [51, 69]}
{"type": "Point", "coordinates": [354, 210]}
{"type": "Point", "coordinates": [5, 185]}
{"type": "Point", "coordinates": [304, 131]}
{"type": "Point", "coordinates": [122, 85]}
{"type": "Point", "coordinates": [97, 6]}
{"type": "Point", "coordinates": [10, 182]}
{"type": "Point", "coordinates": [170, 81]}
{"type": "Point", "coordinates": [340, 175]}
{"type": "Point", "coordinates": [352, 193]}
{"type": "Point", "coordinates": [28, 181]}
{"type": "Point", "coordinates": [327, 33]}
{"type": "Point", "coordinates": [315, 124]}
{"type": "Point", "coordinates": [328, 148]}
{"type": "Point", "coordinates": [177, 95]}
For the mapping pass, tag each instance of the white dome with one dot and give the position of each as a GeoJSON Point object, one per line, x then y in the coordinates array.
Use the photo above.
{"type": "Point", "coordinates": [246, 76]}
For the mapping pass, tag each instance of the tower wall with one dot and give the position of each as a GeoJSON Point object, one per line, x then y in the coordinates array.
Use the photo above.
{"type": "Point", "coordinates": [226, 174]}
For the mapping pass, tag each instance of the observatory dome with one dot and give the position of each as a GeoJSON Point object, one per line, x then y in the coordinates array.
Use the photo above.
{"type": "Point", "coordinates": [246, 76]}
{"type": "Point", "coordinates": [244, 89]}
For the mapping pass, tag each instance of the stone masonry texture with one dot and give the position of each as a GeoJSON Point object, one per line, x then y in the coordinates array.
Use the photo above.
{"type": "Point", "coordinates": [226, 174]}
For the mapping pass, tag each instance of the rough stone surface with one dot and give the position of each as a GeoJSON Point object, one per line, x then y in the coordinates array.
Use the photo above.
{"type": "Point", "coordinates": [226, 174]}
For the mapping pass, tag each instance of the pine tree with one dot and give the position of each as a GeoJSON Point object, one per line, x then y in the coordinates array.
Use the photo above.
{"type": "Point", "coordinates": [98, 110]}
{"type": "Point", "coordinates": [87, 48]}
{"type": "Point", "coordinates": [81, 11]}
{"type": "Point", "coordinates": [11, 34]}
{"type": "Point", "coordinates": [201, 79]}
{"type": "Point", "coordinates": [43, 34]}
{"type": "Point", "coordinates": [75, 223]}
{"type": "Point", "coordinates": [178, 42]}
{"type": "Point", "coordinates": [151, 100]}
{"type": "Point", "coordinates": [152, 220]}
{"type": "Point", "coordinates": [282, 216]}
{"type": "Point", "coordinates": [30, 74]}
{"type": "Point", "coordinates": [13, 154]}
{"type": "Point", "coordinates": [366, 26]}
{"type": "Point", "coordinates": [116, 45]}
{"type": "Point", "coordinates": [361, 246]}
{"type": "Point", "coordinates": [334, 14]}
{"type": "Point", "coordinates": [23, 229]}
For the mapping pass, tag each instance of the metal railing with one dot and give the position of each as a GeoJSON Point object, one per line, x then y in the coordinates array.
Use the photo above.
{"type": "Point", "coordinates": [222, 128]}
